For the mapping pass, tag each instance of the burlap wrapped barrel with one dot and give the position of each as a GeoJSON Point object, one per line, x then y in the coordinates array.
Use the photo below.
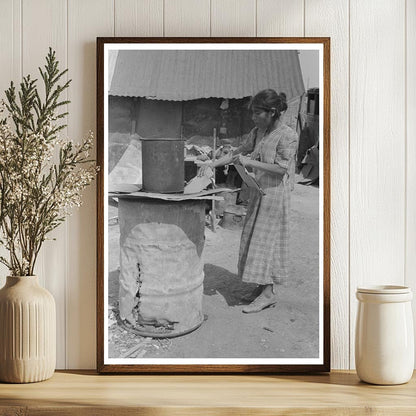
{"type": "Point", "coordinates": [161, 269]}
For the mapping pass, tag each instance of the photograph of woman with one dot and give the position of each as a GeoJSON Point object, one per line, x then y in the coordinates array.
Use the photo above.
{"type": "Point", "coordinates": [214, 205]}
{"type": "Point", "coordinates": [272, 147]}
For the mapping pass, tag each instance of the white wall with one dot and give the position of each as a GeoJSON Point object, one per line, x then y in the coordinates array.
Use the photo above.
{"type": "Point", "coordinates": [373, 132]}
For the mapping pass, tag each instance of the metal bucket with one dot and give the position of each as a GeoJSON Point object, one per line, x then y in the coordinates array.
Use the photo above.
{"type": "Point", "coordinates": [163, 166]}
{"type": "Point", "coordinates": [234, 217]}
{"type": "Point", "coordinates": [161, 269]}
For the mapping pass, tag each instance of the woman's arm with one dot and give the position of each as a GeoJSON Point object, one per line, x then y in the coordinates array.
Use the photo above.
{"type": "Point", "coordinates": [246, 147]}
{"type": "Point", "coordinates": [285, 154]}
{"type": "Point", "coordinates": [222, 161]}
{"type": "Point", "coordinates": [267, 167]}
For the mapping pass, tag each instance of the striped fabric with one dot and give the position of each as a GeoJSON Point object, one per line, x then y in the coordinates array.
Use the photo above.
{"type": "Point", "coordinates": [263, 257]}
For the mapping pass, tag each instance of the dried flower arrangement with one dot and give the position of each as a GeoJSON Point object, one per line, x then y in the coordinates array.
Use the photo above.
{"type": "Point", "coordinates": [41, 175]}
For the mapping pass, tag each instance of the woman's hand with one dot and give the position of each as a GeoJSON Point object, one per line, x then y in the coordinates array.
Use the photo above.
{"type": "Point", "coordinates": [235, 158]}
{"type": "Point", "coordinates": [245, 161]}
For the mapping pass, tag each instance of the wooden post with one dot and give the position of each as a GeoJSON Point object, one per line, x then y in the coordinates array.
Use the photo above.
{"type": "Point", "coordinates": [214, 149]}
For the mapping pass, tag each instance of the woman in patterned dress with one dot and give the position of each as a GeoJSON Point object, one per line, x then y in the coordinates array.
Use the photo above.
{"type": "Point", "coordinates": [272, 146]}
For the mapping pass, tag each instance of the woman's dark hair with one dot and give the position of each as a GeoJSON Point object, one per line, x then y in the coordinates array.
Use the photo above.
{"type": "Point", "coordinates": [269, 100]}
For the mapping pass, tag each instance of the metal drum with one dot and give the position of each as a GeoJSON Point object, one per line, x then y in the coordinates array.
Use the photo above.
{"type": "Point", "coordinates": [161, 269]}
{"type": "Point", "coordinates": [163, 166]}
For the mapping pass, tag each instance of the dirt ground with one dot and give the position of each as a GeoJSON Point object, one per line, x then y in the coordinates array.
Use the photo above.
{"type": "Point", "coordinates": [288, 330]}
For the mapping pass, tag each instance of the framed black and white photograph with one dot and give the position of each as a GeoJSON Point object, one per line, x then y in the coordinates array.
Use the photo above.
{"type": "Point", "coordinates": [213, 249]}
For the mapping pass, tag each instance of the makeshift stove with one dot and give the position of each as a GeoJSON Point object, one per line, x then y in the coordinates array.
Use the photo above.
{"type": "Point", "coordinates": [161, 244]}
{"type": "Point", "coordinates": [161, 267]}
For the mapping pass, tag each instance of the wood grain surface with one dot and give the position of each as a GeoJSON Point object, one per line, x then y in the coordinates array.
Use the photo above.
{"type": "Point", "coordinates": [280, 18]}
{"type": "Point", "coordinates": [187, 18]}
{"type": "Point", "coordinates": [10, 65]}
{"type": "Point", "coordinates": [330, 18]}
{"type": "Point", "coordinates": [377, 137]}
{"type": "Point", "coordinates": [85, 18]}
{"type": "Point", "coordinates": [410, 259]}
{"type": "Point", "coordinates": [36, 39]}
{"type": "Point", "coordinates": [233, 18]}
{"type": "Point", "coordinates": [82, 393]}
{"type": "Point", "coordinates": [138, 18]}
{"type": "Point", "coordinates": [373, 102]}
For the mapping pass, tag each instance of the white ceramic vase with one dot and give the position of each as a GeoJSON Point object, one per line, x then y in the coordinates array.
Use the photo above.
{"type": "Point", "coordinates": [384, 341]}
{"type": "Point", "coordinates": [27, 331]}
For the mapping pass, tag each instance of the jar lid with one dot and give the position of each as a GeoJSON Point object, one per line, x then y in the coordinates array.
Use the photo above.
{"type": "Point", "coordinates": [384, 289]}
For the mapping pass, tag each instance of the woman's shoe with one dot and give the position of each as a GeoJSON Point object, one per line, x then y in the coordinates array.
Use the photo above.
{"type": "Point", "coordinates": [260, 303]}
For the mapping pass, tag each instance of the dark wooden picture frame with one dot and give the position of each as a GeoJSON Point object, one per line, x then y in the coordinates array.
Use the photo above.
{"type": "Point", "coordinates": [203, 366]}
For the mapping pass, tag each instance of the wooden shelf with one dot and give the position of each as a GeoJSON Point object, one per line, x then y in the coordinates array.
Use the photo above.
{"type": "Point", "coordinates": [86, 393]}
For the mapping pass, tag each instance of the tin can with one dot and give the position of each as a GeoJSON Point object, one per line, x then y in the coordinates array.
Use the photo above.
{"type": "Point", "coordinates": [163, 165]}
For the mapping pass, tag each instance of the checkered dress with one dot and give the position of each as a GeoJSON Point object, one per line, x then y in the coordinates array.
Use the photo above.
{"type": "Point", "coordinates": [263, 257]}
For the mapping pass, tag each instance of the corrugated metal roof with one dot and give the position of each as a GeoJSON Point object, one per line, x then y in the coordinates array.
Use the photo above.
{"type": "Point", "coordinates": [186, 75]}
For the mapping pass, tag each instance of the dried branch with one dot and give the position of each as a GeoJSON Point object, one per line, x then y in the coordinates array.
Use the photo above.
{"type": "Point", "coordinates": [36, 193]}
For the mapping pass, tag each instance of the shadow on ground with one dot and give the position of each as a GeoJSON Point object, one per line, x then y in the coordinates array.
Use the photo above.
{"type": "Point", "coordinates": [221, 281]}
